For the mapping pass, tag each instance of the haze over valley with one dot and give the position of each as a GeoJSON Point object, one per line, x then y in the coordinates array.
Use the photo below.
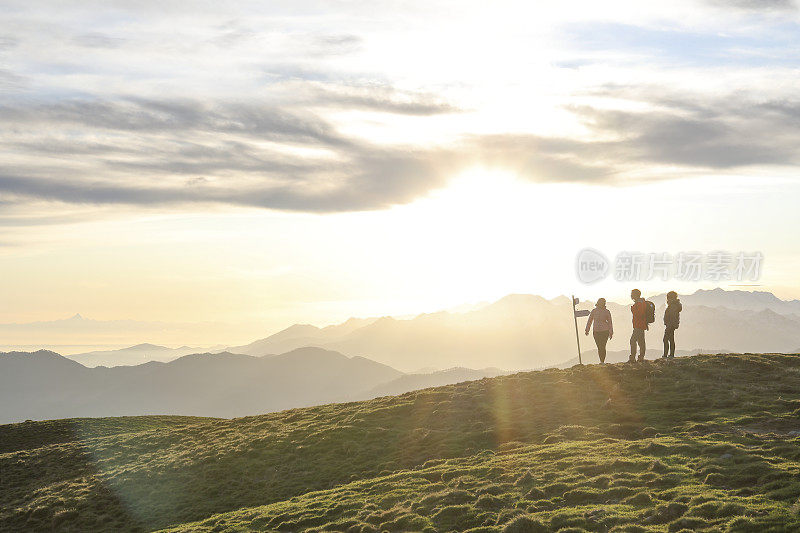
{"type": "Point", "coordinates": [304, 365]}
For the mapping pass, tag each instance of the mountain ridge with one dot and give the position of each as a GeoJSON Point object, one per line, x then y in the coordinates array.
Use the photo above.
{"type": "Point", "coordinates": [522, 331]}
{"type": "Point", "coordinates": [44, 384]}
{"type": "Point", "coordinates": [47, 385]}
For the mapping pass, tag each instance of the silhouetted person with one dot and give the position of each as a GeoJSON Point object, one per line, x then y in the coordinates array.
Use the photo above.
{"type": "Point", "coordinates": [639, 312]}
{"type": "Point", "coordinates": [672, 319]}
{"type": "Point", "coordinates": [603, 327]}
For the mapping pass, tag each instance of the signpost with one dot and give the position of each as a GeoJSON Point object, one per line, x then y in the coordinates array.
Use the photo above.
{"type": "Point", "coordinates": [575, 314]}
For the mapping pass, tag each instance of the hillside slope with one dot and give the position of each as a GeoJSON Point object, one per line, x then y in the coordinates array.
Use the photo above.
{"type": "Point", "coordinates": [705, 442]}
{"type": "Point", "coordinates": [412, 382]}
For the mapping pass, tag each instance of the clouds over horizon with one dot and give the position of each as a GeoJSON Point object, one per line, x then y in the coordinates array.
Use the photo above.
{"type": "Point", "coordinates": [145, 152]}
{"type": "Point", "coordinates": [280, 112]}
{"type": "Point", "coordinates": [137, 151]}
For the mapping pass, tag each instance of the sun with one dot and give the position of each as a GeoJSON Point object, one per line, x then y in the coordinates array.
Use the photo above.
{"type": "Point", "coordinates": [479, 238]}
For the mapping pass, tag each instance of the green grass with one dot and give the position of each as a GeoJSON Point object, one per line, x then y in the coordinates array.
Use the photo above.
{"type": "Point", "coordinates": [31, 434]}
{"type": "Point", "coordinates": [701, 443]}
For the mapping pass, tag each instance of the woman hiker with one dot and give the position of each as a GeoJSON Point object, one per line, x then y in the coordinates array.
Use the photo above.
{"type": "Point", "coordinates": [603, 327]}
{"type": "Point", "coordinates": [672, 319]}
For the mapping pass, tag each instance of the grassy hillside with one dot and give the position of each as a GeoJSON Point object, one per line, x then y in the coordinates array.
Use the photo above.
{"type": "Point", "coordinates": [708, 442]}
{"type": "Point", "coordinates": [31, 435]}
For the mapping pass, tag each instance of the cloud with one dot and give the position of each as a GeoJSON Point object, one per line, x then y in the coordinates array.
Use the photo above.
{"type": "Point", "coordinates": [10, 81]}
{"type": "Point", "coordinates": [370, 97]}
{"type": "Point", "coordinates": [680, 131]}
{"type": "Point", "coordinates": [370, 180]}
{"type": "Point", "coordinates": [755, 5]}
{"type": "Point", "coordinates": [537, 158]}
{"type": "Point", "coordinates": [39, 219]}
{"type": "Point", "coordinates": [166, 152]}
{"type": "Point", "coordinates": [98, 40]}
{"type": "Point", "coordinates": [7, 43]}
{"type": "Point", "coordinates": [333, 44]}
{"type": "Point", "coordinates": [720, 132]}
{"type": "Point", "coordinates": [147, 152]}
{"type": "Point", "coordinates": [233, 33]}
{"type": "Point", "coordinates": [305, 45]}
{"type": "Point", "coordinates": [161, 116]}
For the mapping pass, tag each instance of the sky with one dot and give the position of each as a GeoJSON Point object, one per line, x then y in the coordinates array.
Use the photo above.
{"type": "Point", "coordinates": [258, 164]}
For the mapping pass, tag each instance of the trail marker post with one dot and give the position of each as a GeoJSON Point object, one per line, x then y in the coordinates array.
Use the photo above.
{"type": "Point", "coordinates": [575, 314]}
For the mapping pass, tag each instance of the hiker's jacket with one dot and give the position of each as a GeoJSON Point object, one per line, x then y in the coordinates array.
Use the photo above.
{"type": "Point", "coordinates": [601, 318]}
{"type": "Point", "coordinates": [672, 316]}
{"type": "Point", "coordinates": [639, 312]}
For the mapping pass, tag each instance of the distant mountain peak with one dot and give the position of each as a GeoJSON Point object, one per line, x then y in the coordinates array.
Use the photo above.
{"type": "Point", "coordinates": [741, 299]}
{"type": "Point", "coordinates": [521, 299]}
{"type": "Point", "coordinates": [301, 327]}
{"type": "Point", "coordinates": [40, 353]}
{"type": "Point", "coordinates": [147, 346]}
{"type": "Point", "coordinates": [313, 351]}
{"type": "Point", "coordinates": [715, 290]}
{"type": "Point", "coordinates": [40, 356]}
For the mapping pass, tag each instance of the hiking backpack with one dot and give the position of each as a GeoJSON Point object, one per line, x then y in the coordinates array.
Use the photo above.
{"type": "Point", "coordinates": [650, 311]}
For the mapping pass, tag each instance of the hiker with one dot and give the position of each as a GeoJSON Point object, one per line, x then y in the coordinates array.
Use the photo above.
{"type": "Point", "coordinates": [639, 312]}
{"type": "Point", "coordinates": [603, 327]}
{"type": "Point", "coordinates": [672, 319]}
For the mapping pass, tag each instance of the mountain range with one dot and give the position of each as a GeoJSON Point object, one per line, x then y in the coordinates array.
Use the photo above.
{"type": "Point", "coordinates": [742, 300]}
{"type": "Point", "coordinates": [516, 332]}
{"type": "Point", "coordinates": [45, 385]}
{"type": "Point", "coordinates": [133, 355]}
{"type": "Point", "coordinates": [524, 331]}
{"type": "Point", "coordinates": [383, 357]}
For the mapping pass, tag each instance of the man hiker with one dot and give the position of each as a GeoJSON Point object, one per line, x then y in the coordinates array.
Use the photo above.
{"type": "Point", "coordinates": [672, 319]}
{"type": "Point", "coordinates": [639, 312]}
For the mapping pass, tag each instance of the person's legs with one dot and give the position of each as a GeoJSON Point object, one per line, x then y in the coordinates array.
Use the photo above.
{"type": "Point", "coordinates": [671, 339]}
{"type": "Point", "coordinates": [637, 338]}
{"type": "Point", "coordinates": [601, 338]}
{"type": "Point", "coordinates": [666, 343]}
{"type": "Point", "coordinates": [632, 358]}
{"type": "Point", "coordinates": [642, 346]}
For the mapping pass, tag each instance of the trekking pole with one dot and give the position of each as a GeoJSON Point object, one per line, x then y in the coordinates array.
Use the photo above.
{"type": "Point", "coordinates": [575, 319]}
{"type": "Point", "coordinates": [575, 315]}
